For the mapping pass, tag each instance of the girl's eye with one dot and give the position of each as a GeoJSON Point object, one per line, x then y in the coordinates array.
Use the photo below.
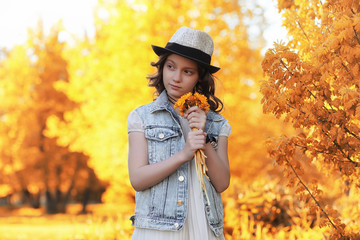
{"type": "Point", "coordinates": [170, 66]}
{"type": "Point", "coordinates": [188, 72]}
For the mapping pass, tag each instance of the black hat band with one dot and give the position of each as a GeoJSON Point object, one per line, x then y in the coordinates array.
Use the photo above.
{"type": "Point", "coordinates": [189, 52]}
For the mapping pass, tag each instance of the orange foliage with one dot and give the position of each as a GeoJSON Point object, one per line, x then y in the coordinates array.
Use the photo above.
{"type": "Point", "coordinates": [313, 83]}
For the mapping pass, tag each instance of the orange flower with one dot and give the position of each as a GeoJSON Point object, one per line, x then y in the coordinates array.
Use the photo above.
{"type": "Point", "coordinates": [189, 100]}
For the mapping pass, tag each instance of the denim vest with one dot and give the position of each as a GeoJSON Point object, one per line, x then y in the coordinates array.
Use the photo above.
{"type": "Point", "coordinates": [164, 206]}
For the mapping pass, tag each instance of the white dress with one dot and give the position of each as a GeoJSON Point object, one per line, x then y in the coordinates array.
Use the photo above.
{"type": "Point", "coordinates": [196, 226]}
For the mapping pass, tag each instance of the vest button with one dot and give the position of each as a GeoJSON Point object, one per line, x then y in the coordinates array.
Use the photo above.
{"type": "Point", "coordinates": [207, 209]}
{"type": "Point", "coordinates": [176, 225]}
{"type": "Point", "coordinates": [161, 135]}
{"type": "Point", "coordinates": [179, 203]}
{"type": "Point", "coordinates": [181, 178]}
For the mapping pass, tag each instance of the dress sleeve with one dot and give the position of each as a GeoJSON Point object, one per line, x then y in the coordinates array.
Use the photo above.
{"type": "Point", "coordinates": [225, 130]}
{"type": "Point", "coordinates": [134, 123]}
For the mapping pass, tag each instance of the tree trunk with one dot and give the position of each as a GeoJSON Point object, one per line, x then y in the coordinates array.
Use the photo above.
{"type": "Point", "coordinates": [50, 203]}
{"type": "Point", "coordinates": [35, 200]}
{"type": "Point", "coordinates": [85, 200]}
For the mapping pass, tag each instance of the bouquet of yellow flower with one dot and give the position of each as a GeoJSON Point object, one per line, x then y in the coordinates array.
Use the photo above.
{"type": "Point", "coordinates": [185, 102]}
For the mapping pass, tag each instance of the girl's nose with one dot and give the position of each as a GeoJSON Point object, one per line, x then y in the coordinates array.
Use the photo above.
{"type": "Point", "coordinates": [177, 76]}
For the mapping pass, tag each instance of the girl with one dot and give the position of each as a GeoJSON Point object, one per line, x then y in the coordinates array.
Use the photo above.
{"type": "Point", "coordinates": [170, 203]}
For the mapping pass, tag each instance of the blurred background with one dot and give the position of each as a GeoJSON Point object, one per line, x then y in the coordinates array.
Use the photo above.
{"type": "Point", "coordinates": [71, 72]}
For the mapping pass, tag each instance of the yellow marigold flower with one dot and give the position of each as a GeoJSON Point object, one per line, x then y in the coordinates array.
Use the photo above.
{"type": "Point", "coordinates": [189, 100]}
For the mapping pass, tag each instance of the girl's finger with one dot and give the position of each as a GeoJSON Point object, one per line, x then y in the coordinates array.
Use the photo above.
{"type": "Point", "coordinates": [192, 109]}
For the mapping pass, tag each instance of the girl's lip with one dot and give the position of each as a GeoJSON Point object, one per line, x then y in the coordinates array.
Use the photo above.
{"type": "Point", "coordinates": [174, 87]}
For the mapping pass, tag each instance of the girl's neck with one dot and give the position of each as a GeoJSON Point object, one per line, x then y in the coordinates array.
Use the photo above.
{"type": "Point", "coordinates": [171, 100]}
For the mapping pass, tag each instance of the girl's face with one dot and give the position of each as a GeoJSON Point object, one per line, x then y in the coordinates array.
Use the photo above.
{"type": "Point", "coordinates": [180, 75]}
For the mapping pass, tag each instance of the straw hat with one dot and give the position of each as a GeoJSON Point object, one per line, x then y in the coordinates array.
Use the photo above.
{"type": "Point", "coordinates": [193, 44]}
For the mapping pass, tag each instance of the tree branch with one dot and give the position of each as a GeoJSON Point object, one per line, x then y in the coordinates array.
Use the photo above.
{"type": "Point", "coordinates": [312, 196]}
{"type": "Point", "coordinates": [303, 31]}
{"type": "Point", "coordinates": [356, 36]}
{"type": "Point", "coordinates": [282, 62]}
{"type": "Point", "coordinates": [347, 70]}
{"type": "Point", "coordinates": [351, 133]}
{"type": "Point", "coordinates": [292, 74]}
{"type": "Point", "coordinates": [356, 164]}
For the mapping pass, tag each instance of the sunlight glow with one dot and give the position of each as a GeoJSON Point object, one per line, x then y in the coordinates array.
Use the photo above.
{"type": "Point", "coordinates": [17, 15]}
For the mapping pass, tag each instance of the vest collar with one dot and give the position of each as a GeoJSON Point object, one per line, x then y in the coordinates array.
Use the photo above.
{"type": "Point", "coordinates": [161, 103]}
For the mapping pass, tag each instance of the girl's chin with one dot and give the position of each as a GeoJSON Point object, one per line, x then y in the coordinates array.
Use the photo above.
{"type": "Point", "coordinates": [174, 93]}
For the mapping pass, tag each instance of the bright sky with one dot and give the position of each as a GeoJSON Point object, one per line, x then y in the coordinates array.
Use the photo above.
{"type": "Point", "coordinates": [77, 15]}
{"type": "Point", "coordinates": [17, 15]}
{"type": "Point", "coordinates": [275, 32]}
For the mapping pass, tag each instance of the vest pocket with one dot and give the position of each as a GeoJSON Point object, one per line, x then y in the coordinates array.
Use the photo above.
{"type": "Point", "coordinates": [160, 133]}
{"type": "Point", "coordinates": [161, 142]}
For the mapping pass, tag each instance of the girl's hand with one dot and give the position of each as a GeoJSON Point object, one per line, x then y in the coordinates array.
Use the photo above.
{"type": "Point", "coordinates": [196, 118]}
{"type": "Point", "coordinates": [195, 140]}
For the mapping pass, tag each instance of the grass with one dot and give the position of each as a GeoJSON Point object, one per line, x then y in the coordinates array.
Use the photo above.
{"type": "Point", "coordinates": [27, 223]}
{"type": "Point", "coordinates": [38, 228]}
{"type": "Point", "coordinates": [104, 224]}
{"type": "Point", "coordinates": [109, 222]}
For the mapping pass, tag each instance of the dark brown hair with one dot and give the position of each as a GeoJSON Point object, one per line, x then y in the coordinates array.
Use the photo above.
{"type": "Point", "coordinates": [205, 84]}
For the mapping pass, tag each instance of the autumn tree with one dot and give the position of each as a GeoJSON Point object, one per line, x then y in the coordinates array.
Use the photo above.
{"type": "Point", "coordinates": [32, 163]}
{"type": "Point", "coordinates": [15, 97]}
{"type": "Point", "coordinates": [62, 168]}
{"type": "Point", "coordinates": [312, 82]}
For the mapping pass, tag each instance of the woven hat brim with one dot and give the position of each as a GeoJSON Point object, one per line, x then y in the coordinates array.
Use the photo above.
{"type": "Point", "coordinates": [160, 50]}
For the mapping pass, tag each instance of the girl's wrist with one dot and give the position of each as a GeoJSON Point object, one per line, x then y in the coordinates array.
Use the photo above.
{"type": "Point", "coordinates": [185, 156]}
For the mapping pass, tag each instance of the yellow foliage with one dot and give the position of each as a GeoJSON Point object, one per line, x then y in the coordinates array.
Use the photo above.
{"type": "Point", "coordinates": [312, 83]}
